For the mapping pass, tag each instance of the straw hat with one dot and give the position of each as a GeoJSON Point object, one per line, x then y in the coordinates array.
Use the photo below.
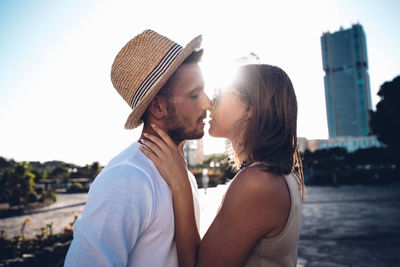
{"type": "Point", "coordinates": [143, 66]}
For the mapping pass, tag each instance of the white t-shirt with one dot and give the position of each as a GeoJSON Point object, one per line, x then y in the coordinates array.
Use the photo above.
{"type": "Point", "coordinates": [128, 219]}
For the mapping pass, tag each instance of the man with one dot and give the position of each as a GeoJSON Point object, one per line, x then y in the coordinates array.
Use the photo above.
{"type": "Point", "coordinates": [128, 219]}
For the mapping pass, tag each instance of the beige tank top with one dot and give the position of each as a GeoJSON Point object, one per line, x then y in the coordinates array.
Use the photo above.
{"type": "Point", "coordinates": [281, 250]}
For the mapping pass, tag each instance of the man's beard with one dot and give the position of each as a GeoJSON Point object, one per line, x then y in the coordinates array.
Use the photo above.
{"type": "Point", "coordinates": [177, 130]}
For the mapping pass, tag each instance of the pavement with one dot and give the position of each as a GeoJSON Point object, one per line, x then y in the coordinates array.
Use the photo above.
{"type": "Point", "coordinates": [342, 226]}
{"type": "Point", "coordinates": [354, 226]}
{"type": "Point", "coordinates": [351, 226]}
{"type": "Point", "coordinates": [61, 214]}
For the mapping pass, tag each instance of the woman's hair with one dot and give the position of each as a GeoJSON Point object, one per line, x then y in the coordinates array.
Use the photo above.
{"type": "Point", "coordinates": [270, 135]}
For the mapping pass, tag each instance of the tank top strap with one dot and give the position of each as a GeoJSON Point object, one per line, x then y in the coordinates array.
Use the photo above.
{"type": "Point", "coordinates": [251, 165]}
{"type": "Point", "coordinates": [255, 163]}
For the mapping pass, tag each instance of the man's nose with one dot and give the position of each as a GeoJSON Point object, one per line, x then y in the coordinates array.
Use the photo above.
{"type": "Point", "coordinates": [205, 102]}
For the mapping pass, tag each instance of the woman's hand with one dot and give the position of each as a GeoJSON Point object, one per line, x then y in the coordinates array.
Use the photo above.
{"type": "Point", "coordinates": [168, 158]}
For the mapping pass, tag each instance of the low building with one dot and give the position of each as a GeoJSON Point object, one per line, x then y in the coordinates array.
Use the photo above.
{"type": "Point", "coordinates": [350, 143]}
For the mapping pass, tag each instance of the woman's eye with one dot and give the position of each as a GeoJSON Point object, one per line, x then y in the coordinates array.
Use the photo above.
{"type": "Point", "coordinates": [195, 96]}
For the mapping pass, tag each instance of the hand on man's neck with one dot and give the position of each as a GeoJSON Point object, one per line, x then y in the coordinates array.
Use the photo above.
{"type": "Point", "coordinates": [148, 129]}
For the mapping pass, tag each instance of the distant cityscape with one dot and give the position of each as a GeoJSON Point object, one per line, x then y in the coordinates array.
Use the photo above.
{"type": "Point", "coordinates": [347, 96]}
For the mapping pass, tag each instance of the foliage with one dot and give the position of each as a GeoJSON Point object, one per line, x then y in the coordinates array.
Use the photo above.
{"type": "Point", "coordinates": [214, 178]}
{"type": "Point", "coordinates": [59, 171]}
{"type": "Point", "coordinates": [48, 195]}
{"type": "Point", "coordinates": [364, 166]}
{"type": "Point", "coordinates": [18, 245]}
{"type": "Point", "coordinates": [385, 121]}
{"type": "Point", "coordinates": [89, 171]}
{"type": "Point", "coordinates": [4, 163]}
{"type": "Point", "coordinates": [210, 162]}
{"type": "Point", "coordinates": [27, 220]}
{"type": "Point", "coordinates": [76, 188]}
{"type": "Point", "coordinates": [53, 169]}
{"type": "Point", "coordinates": [39, 174]}
{"type": "Point", "coordinates": [94, 169]}
{"type": "Point", "coordinates": [19, 180]}
{"type": "Point", "coordinates": [336, 166]}
{"type": "Point", "coordinates": [219, 170]}
{"type": "Point", "coordinates": [17, 184]}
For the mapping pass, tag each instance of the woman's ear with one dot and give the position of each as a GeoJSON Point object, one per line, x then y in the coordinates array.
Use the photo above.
{"type": "Point", "coordinates": [249, 113]}
{"type": "Point", "coordinates": [158, 107]}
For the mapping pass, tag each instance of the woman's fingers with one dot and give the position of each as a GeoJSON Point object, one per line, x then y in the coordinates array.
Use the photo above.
{"type": "Point", "coordinates": [156, 150]}
{"type": "Point", "coordinates": [164, 136]}
{"type": "Point", "coordinates": [153, 157]}
{"type": "Point", "coordinates": [169, 158]}
{"type": "Point", "coordinates": [156, 140]}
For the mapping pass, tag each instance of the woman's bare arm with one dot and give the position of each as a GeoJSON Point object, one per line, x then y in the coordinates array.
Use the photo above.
{"type": "Point", "coordinates": [256, 204]}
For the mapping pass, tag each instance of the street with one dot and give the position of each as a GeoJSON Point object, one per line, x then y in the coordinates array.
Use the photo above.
{"type": "Point", "coordinates": [342, 226]}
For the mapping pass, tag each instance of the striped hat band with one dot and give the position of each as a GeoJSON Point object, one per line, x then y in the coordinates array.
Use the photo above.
{"type": "Point", "coordinates": [143, 66]}
{"type": "Point", "coordinates": [155, 75]}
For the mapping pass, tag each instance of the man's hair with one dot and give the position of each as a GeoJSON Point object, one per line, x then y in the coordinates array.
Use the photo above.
{"type": "Point", "coordinates": [194, 57]}
{"type": "Point", "coordinates": [165, 91]}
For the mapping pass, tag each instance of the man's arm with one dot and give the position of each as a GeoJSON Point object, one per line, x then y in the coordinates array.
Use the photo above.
{"type": "Point", "coordinates": [117, 211]}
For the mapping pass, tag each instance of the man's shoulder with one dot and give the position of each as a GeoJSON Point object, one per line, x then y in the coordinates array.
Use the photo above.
{"type": "Point", "coordinates": [129, 158]}
{"type": "Point", "coordinates": [123, 182]}
{"type": "Point", "coordinates": [130, 154]}
{"type": "Point", "coordinates": [130, 167]}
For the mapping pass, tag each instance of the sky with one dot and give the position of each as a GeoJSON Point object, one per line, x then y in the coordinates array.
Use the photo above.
{"type": "Point", "coordinates": [57, 101]}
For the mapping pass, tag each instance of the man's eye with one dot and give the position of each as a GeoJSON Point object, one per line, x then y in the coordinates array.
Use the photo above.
{"type": "Point", "coordinates": [194, 96]}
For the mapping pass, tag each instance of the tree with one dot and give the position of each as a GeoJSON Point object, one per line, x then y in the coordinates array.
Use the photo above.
{"type": "Point", "coordinates": [39, 174]}
{"type": "Point", "coordinates": [385, 121]}
{"type": "Point", "coordinates": [324, 166]}
{"type": "Point", "coordinates": [17, 185]}
{"type": "Point", "coordinates": [5, 163]}
{"type": "Point", "coordinates": [59, 173]}
{"type": "Point", "coordinates": [94, 169]}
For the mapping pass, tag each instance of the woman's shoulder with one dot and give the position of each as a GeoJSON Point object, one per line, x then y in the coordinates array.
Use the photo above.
{"type": "Point", "coordinates": [261, 196]}
{"type": "Point", "coordinates": [256, 179]}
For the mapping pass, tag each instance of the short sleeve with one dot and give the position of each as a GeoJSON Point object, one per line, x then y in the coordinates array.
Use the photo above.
{"type": "Point", "coordinates": [118, 209]}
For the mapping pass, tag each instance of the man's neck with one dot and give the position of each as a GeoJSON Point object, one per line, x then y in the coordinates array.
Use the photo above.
{"type": "Point", "coordinates": [149, 130]}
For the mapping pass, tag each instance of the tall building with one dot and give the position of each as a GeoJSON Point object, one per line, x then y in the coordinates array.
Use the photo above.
{"type": "Point", "coordinates": [347, 88]}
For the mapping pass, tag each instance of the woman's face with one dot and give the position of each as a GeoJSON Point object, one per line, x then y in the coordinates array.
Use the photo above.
{"type": "Point", "coordinates": [226, 113]}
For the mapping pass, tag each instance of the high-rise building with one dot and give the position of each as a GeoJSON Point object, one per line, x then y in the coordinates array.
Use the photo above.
{"type": "Point", "coordinates": [347, 88]}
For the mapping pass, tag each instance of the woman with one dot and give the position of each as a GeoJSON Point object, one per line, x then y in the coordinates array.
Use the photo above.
{"type": "Point", "coordinates": [259, 220]}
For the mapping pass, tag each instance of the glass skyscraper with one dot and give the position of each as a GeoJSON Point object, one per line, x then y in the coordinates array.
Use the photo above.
{"type": "Point", "coordinates": [347, 88]}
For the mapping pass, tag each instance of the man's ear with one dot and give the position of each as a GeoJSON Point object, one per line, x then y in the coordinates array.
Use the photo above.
{"type": "Point", "coordinates": [158, 107]}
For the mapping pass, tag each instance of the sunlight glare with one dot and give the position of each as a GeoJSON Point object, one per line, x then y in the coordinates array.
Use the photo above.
{"type": "Point", "coordinates": [217, 75]}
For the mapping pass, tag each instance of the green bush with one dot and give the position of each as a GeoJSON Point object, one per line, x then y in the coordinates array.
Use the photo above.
{"type": "Point", "coordinates": [39, 190]}
{"type": "Point", "coordinates": [32, 197]}
{"type": "Point", "coordinates": [18, 245]}
{"type": "Point", "coordinates": [48, 194]}
{"type": "Point", "coordinates": [76, 188]}
{"type": "Point", "coordinates": [17, 183]}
